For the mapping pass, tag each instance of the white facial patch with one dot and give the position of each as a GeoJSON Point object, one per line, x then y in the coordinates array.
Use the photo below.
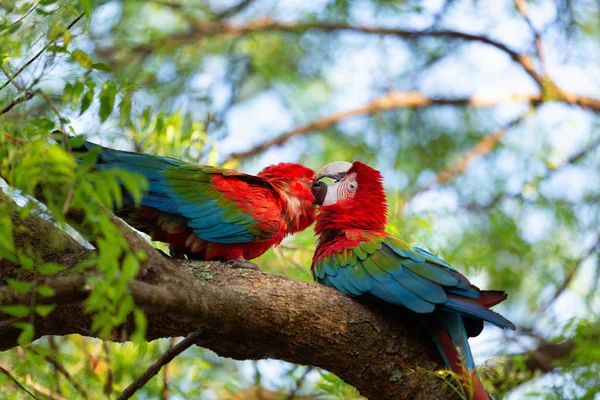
{"type": "Point", "coordinates": [343, 189]}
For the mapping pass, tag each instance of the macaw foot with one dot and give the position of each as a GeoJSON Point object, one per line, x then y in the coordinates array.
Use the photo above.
{"type": "Point", "coordinates": [242, 263]}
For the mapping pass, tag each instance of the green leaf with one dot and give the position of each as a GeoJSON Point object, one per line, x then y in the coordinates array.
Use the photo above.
{"type": "Point", "coordinates": [135, 184]}
{"type": "Point", "coordinates": [67, 38]}
{"type": "Point", "coordinates": [12, 28]}
{"type": "Point", "coordinates": [7, 245]}
{"type": "Point", "coordinates": [145, 118]}
{"type": "Point", "coordinates": [68, 92]}
{"type": "Point", "coordinates": [16, 310]}
{"type": "Point", "coordinates": [26, 262]}
{"type": "Point", "coordinates": [87, 7]}
{"type": "Point", "coordinates": [56, 30]}
{"type": "Point", "coordinates": [76, 141]}
{"type": "Point", "coordinates": [160, 123]}
{"type": "Point", "coordinates": [107, 100]}
{"type": "Point", "coordinates": [27, 333]}
{"type": "Point", "coordinates": [46, 291]}
{"type": "Point", "coordinates": [18, 286]}
{"type": "Point", "coordinates": [125, 307]}
{"type": "Point", "coordinates": [43, 124]}
{"type": "Point", "coordinates": [142, 345]}
{"type": "Point", "coordinates": [82, 58]}
{"type": "Point", "coordinates": [57, 49]}
{"type": "Point", "coordinates": [88, 160]}
{"type": "Point", "coordinates": [50, 268]}
{"type": "Point", "coordinates": [102, 67]}
{"type": "Point", "coordinates": [125, 110]}
{"type": "Point", "coordinates": [130, 266]}
{"type": "Point", "coordinates": [139, 335]}
{"type": "Point", "coordinates": [86, 102]}
{"type": "Point", "coordinates": [44, 309]}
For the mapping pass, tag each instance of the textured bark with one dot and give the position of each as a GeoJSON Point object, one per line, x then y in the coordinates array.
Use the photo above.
{"type": "Point", "coordinates": [244, 314]}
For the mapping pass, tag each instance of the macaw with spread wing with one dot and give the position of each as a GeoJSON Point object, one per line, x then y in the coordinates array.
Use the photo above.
{"type": "Point", "coordinates": [356, 256]}
{"type": "Point", "coordinates": [211, 213]}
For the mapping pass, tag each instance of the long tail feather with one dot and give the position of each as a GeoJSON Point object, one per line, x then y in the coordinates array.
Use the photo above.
{"type": "Point", "coordinates": [451, 339]}
{"type": "Point", "coordinates": [489, 298]}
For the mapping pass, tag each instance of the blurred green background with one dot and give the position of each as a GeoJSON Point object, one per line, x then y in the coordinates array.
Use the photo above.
{"type": "Point", "coordinates": [485, 162]}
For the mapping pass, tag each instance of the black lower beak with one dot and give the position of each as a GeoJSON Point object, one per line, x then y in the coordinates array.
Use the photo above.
{"type": "Point", "coordinates": [319, 190]}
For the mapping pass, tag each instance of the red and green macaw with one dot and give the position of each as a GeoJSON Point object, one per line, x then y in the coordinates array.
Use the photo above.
{"type": "Point", "coordinates": [356, 256]}
{"type": "Point", "coordinates": [214, 213]}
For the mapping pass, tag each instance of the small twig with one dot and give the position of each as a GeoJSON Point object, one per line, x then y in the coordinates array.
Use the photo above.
{"type": "Point", "coordinates": [257, 379]}
{"type": "Point", "coordinates": [573, 159]}
{"type": "Point", "coordinates": [108, 385]}
{"type": "Point", "coordinates": [299, 383]}
{"type": "Point", "coordinates": [594, 286]}
{"type": "Point", "coordinates": [229, 12]}
{"type": "Point", "coordinates": [523, 10]}
{"type": "Point", "coordinates": [61, 369]}
{"type": "Point", "coordinates": [164, 393]}
{"type": "Point", "coordinates": [153, 369]}
{"type": "Point", "coordinates": [10, 376]}
{"type": "Point", "coordinates": [570, 275]}
{"type": "Point", "coordinates": [22, 18]}
{"type": "Point", "coordinates": [17, 101]}
{"type": "Point", "coordinates": [282, 257]}
{"type": "Point", "coordinates": [203, 28]}
{"type": "Point", "coordinates": [39, 53]}
{"type": "Point", "coordinates": [386, 102]}
{"type": "Point", "coordinates": [481, 148]}
{"type": "Point", "coordinates": [174, 6]}
{"type": "Point", "coordinates": [43, 390]}
{"type": "Point", "coordinates": [69, 197]}
{"type": "Point", "coordinates": [54, 348]}
{"type": "Point", "coordinates": [210, 118]}
{"type": "Point", "coordinates": [291, 246]}
{"type": "Point", "coordinates": [58, 367]}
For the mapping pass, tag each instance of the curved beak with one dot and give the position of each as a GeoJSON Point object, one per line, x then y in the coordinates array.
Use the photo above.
{"type": "Point", "coordinates": [319, 190]}
{"type": "Point", "coordinates": [335, 170]}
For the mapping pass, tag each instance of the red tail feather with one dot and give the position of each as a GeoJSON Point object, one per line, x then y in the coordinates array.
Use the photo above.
{"type": "Point", "coordinates": [489, 298]}
{"type": "Point", "coordinates": [472, 385]}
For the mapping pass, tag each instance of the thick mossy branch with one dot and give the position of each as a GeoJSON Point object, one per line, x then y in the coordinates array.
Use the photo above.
{"type": "Point", "coordinates": [243, 314]}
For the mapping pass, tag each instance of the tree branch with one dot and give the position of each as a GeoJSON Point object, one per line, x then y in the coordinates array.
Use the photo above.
{"type": "Point", "coordinates": [204, 28]}
{"type": "Point", "coordinates": [524, 11]}
{"type": "Point", "coordinates": [17, 101]}
{"type": "Point", "coordinates": [245, 314]}
{"type": "Point", "coordinates": [229, 12]}
{"type": "Point", "coordinates": [484, 146]}
{"type": "Point", "coordinates": [38, 54]}
{"type": "Point", "coordinates": [155, 368]}
{"type": "Point", "coordinates": [47, 393]}
{"type": "Point", "coordinates": [383, 103]}
{"type": "Point", "coordinates": [63, 371]}
{"type": "Point", "coordinates": [570, 275]}
{"type": "Point", "coordinates": [520, 368]}
{"type": "Point", "coordinates": [9, 373]}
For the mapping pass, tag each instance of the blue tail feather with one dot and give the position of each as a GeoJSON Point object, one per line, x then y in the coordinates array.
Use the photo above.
{"type": "Point", "coordinates": [477, 311]}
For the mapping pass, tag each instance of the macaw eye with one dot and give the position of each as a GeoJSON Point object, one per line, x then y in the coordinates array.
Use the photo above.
{"type": "Point", "coordinates": [352, 186]}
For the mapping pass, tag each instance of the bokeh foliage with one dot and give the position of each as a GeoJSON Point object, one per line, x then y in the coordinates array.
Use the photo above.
{"type": "Point", "coordinates": [181, 78]}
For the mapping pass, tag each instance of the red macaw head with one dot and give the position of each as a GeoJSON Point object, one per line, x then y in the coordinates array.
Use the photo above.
{"type": "Point", "coordinates": [295, 181]}
{"type": "Point", "coordinates": [356, 199]}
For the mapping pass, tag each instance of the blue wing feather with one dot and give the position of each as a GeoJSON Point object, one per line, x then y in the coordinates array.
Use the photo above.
{"type": "Point", "coordinates": [410, 277]}
{"type": "Point", "coordinates": [205, 216]}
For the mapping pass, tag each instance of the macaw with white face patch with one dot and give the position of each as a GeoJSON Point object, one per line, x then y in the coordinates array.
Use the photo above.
{"type": "Point", "coordinates": [356, 256]}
